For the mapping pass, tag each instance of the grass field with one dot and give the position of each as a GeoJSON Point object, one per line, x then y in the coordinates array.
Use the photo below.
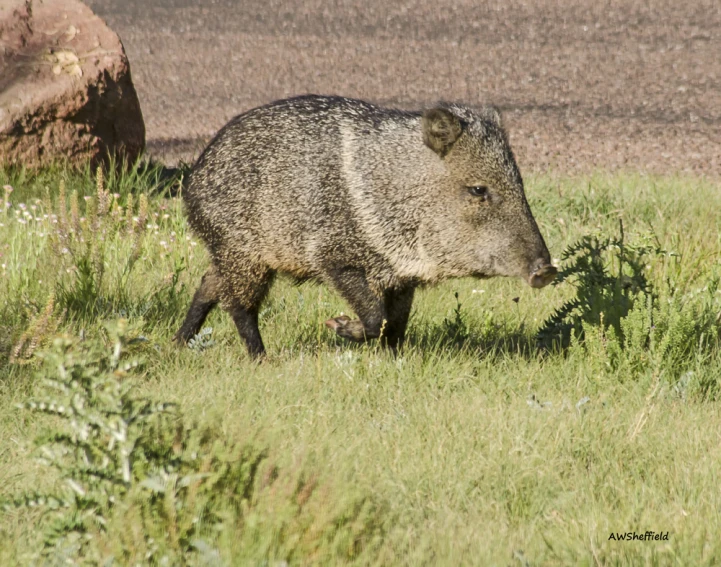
{"type": "Point", "coordinates": [473, 446]}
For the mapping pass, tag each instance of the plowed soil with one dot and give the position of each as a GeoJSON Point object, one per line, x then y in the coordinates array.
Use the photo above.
{"type": "Point", "coordinates": [583, 84]}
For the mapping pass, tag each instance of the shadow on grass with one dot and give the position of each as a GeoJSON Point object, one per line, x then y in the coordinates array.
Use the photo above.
{"type": "Point", "coordinates": [427, 340]}
{"type": "Point", "coordinates": [499, 342]}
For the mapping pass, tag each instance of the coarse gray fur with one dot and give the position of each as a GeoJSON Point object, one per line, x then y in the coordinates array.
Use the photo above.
{"type": "Point", "coordinates": [372, 201]}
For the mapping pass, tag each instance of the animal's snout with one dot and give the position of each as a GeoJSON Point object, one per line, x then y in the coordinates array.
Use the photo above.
{"type": "Point", "coordinates": [542, 275]}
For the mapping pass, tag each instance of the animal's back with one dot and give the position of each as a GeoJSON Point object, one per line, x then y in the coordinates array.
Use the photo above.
{"type": "Point", "coordinates": [274, 179]}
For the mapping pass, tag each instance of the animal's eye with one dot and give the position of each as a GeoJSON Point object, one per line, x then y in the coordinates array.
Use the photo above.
{"type": "Point", "coordinates": [480, 191]}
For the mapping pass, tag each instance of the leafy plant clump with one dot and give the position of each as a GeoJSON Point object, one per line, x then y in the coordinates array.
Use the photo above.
{"type": "Point", "coordinates": [137, 484]}
{"type": "Point", "coordinates": [90, 252]}
{"type": "Point", "coordinates": [608, 275]}
{"type": "Point", "coordinates": [80, 243]}
{"type": "Point", "coordinates": [110, 441]}
{"type": "Point", "coordinates": [628, 322]}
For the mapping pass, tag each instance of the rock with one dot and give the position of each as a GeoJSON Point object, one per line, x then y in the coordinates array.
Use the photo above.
{"type": "Point", "coordinates": [65, 86]}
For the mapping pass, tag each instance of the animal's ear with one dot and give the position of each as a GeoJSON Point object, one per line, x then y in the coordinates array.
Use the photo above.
{"type": "Point", "coordinates": [441, 129]}
{"type": "Point", "coordinates": [492, 114]}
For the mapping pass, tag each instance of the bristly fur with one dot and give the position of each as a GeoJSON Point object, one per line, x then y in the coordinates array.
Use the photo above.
{"type": "Point", "coordinates": [371, 201]}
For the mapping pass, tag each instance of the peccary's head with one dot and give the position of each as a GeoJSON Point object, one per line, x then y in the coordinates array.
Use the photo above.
{"type": "Point", "coordinates": [481, 222]}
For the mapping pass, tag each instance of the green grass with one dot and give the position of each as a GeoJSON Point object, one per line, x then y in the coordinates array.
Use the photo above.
{"type": "Point", "coordinates": [471, 447]}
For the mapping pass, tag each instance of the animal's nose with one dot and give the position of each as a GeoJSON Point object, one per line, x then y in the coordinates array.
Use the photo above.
{"type": "Point", "coordinates": [543, 275]}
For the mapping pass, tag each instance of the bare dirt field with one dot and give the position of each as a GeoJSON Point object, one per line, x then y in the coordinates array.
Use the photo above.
{"type": "Point", "coordinates": [584, 84]}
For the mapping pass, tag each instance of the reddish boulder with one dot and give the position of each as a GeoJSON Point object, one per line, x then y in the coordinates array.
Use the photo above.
{"type": "Point", "coordinates": [65, 86]}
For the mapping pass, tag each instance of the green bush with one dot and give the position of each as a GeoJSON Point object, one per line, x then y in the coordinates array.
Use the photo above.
{"type": "Point", "coordinates": [608, 275]}
{"type": "Point", "coordinates": [136, 483]}
{"type": "Point", "coordinates": [622, 318]}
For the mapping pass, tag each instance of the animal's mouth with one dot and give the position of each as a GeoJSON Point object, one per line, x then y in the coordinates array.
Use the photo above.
{"type": "Point", "coordinates": [542, 276]}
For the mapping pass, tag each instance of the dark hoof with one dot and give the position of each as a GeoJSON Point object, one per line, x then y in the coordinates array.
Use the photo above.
{"type": "Point", "coordinates": [180, 339]}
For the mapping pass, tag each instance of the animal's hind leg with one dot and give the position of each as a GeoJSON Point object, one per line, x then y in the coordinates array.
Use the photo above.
{"type": "Point", "coordinates": [205, 299]}
{"type": "Point", "coordinates": [243, 294]}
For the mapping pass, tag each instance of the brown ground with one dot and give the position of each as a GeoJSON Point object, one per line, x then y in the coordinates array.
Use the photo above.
{"type": "Point", "coordinates": [583, 83]}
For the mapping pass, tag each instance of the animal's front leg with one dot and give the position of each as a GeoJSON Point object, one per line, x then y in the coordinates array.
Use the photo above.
{"type": "Point", "coordinates": [354, 288]}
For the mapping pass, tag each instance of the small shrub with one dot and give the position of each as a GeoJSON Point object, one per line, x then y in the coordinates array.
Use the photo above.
{"type": "Point", "coordinates": [43, 325]}
{"type": "Point", "coordinates": [80, 244]}
{"type": "Point", "coordinates": [628, 324]}
{"type": "Point", "coordinates": [608, 274]}
{"type": "Point", "coordinates": [202, 341]}
{"type": "Point", "coordinates": [137, 485]}
{"type": "Point", "coordinates": [109, 442]}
